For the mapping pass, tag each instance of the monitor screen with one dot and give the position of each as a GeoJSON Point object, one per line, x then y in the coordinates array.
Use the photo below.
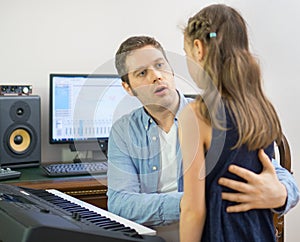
{"type": "Point", "coordinates": [82, 107]}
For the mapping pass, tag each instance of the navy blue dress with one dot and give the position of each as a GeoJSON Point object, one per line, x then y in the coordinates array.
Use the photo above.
{"type": "Point", "coordinates": [254, 225]}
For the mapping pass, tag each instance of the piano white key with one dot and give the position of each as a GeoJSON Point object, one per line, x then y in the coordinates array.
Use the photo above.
{"type": "Point", "coordinates": [139, 228]}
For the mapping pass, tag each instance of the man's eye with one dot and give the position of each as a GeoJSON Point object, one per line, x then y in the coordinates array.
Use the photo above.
{"type": "Point", "coordinates": [159, 65]}
{"type": "Point", "coordinates": [142, 73]}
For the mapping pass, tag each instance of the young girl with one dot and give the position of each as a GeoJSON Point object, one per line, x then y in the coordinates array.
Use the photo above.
{"type": "Point", "coordinates": [227, 125]}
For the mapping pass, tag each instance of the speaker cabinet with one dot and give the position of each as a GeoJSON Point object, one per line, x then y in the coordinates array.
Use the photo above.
{"type": "Point", "coordinates": [20, 131]}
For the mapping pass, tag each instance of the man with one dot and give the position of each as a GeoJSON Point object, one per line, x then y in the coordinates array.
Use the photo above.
{"type": "Point", "coordinates": [144, 158]}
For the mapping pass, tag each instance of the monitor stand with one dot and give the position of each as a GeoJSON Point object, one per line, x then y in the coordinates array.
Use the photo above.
{"type": "Point", "coordinates": [96, 148]}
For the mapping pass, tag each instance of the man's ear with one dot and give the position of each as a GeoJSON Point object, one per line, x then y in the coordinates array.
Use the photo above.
{"type": "Point", "coordinates": [127, 88]}
{"type": "Point", "coordinates": [199, 48]}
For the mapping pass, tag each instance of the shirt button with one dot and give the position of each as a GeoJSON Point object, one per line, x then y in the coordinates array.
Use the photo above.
{"type": "Point", "coordinates": [151, 121]}
{"type": "Point", "coordinates": [146, 127]}
{"type": "Point", "coordinates": [154, 168]}
{"type": "Point", "coordinates": [154, 138]}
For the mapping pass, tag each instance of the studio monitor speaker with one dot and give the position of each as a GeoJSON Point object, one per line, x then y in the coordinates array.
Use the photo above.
{"type": "Point", "coordinates": [20, 131]}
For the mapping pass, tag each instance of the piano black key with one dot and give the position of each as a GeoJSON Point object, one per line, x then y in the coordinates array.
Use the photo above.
{"type": "Point", "coordinates": [76, 209]}
{"type": "Point", "coordinates": [87, 214]}
{"type": "Point", "coordinates": [122, 229]}
{"type": "Point", "coordinates": [125, 230]}
{"type": "Point", "coordinates": [111, 226]}
{"type": "Point", "coordinates": [67, 206]}
{"type": "Point", "coordinates": [103, 223]}
{"type": "Point", "coordinates": [95, 219]}
{"type": "Point", "coordinates": [116, 227]}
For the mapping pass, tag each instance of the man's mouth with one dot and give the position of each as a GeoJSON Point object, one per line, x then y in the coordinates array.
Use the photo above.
{"type": "Point", "coordinates": [160, 90]}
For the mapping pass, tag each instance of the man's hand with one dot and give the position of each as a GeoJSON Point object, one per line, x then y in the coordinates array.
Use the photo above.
{"type": "Point", "coordinates": [262, 190]}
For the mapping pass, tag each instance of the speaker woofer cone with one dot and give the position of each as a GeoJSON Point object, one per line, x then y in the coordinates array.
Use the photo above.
{"type": "Point", "coordinates": [19, 141]}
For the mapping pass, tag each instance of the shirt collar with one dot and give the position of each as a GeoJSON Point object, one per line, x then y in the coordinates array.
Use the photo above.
{"type": "Point", "coordinates": [148, 120]}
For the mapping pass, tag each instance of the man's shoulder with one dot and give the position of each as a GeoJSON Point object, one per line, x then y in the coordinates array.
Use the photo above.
{"type": "Point", "coordinates": [130, 119]}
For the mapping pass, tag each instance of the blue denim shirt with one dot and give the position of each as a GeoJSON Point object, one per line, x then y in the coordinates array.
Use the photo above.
{"type": "Point", "coordinates": [134, 169]}
{"type": "Point", "coordinates": [293, 194]}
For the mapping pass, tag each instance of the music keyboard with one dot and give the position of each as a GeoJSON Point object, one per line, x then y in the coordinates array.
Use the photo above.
{"type": "Point", "coordinates": [139, 228]}
{"type": "Point", "coordinates": [31, 215]}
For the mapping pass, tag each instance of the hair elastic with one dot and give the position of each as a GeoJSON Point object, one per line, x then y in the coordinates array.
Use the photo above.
{"type": "Point", "coordinates": [212, 35]}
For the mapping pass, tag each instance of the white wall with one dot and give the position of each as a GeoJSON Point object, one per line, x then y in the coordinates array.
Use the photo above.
{"type": "Point", "coordinates": [40, 37]}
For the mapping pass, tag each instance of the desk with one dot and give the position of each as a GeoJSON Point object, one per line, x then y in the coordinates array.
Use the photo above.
{"type": "Point", "coordinates": [91, 189]}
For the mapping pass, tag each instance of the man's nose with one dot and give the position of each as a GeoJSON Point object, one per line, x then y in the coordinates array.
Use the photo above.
{"type": "Point", "coordinates": [156, 75]}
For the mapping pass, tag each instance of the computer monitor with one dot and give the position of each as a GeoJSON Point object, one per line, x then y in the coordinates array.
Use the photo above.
{"type": "Point", "coordinates": [83, 109]}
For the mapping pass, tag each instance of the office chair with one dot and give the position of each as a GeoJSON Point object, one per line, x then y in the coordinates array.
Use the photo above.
{"type": "Point", "coordinates": [285, 161]}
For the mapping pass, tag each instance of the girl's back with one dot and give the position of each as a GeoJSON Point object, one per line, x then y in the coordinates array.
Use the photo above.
{"type": "Point", "coordinates": [254, 225]}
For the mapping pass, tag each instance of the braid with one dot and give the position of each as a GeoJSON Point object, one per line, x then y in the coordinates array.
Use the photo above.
{"type": "Point", "coordinates": [199, 28]}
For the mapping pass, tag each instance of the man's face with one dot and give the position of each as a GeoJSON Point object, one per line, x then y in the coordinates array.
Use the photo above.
{"type": "Point", "coordinates": [151, 77]}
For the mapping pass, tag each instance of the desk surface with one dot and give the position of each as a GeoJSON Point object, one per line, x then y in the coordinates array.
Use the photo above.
{"type": "Point", "coordinates": [34, 177]}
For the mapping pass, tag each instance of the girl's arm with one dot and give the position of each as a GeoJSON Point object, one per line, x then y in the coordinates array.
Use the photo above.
{"type": "Point", "coordinates": [195, 136]}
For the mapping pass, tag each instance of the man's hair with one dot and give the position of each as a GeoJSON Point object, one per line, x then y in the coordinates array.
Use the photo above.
{"type": "Point", "coordinates": [129, 45]}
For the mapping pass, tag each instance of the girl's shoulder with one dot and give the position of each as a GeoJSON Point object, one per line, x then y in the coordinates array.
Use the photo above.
{"type": "Point", "coordinates": [191, 118]}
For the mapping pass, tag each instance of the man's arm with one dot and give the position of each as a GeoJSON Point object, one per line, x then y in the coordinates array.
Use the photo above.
{"type": "Point", "coordinates": [133, 195]}
{"type": "Point", "coordinates": [273, 188]}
